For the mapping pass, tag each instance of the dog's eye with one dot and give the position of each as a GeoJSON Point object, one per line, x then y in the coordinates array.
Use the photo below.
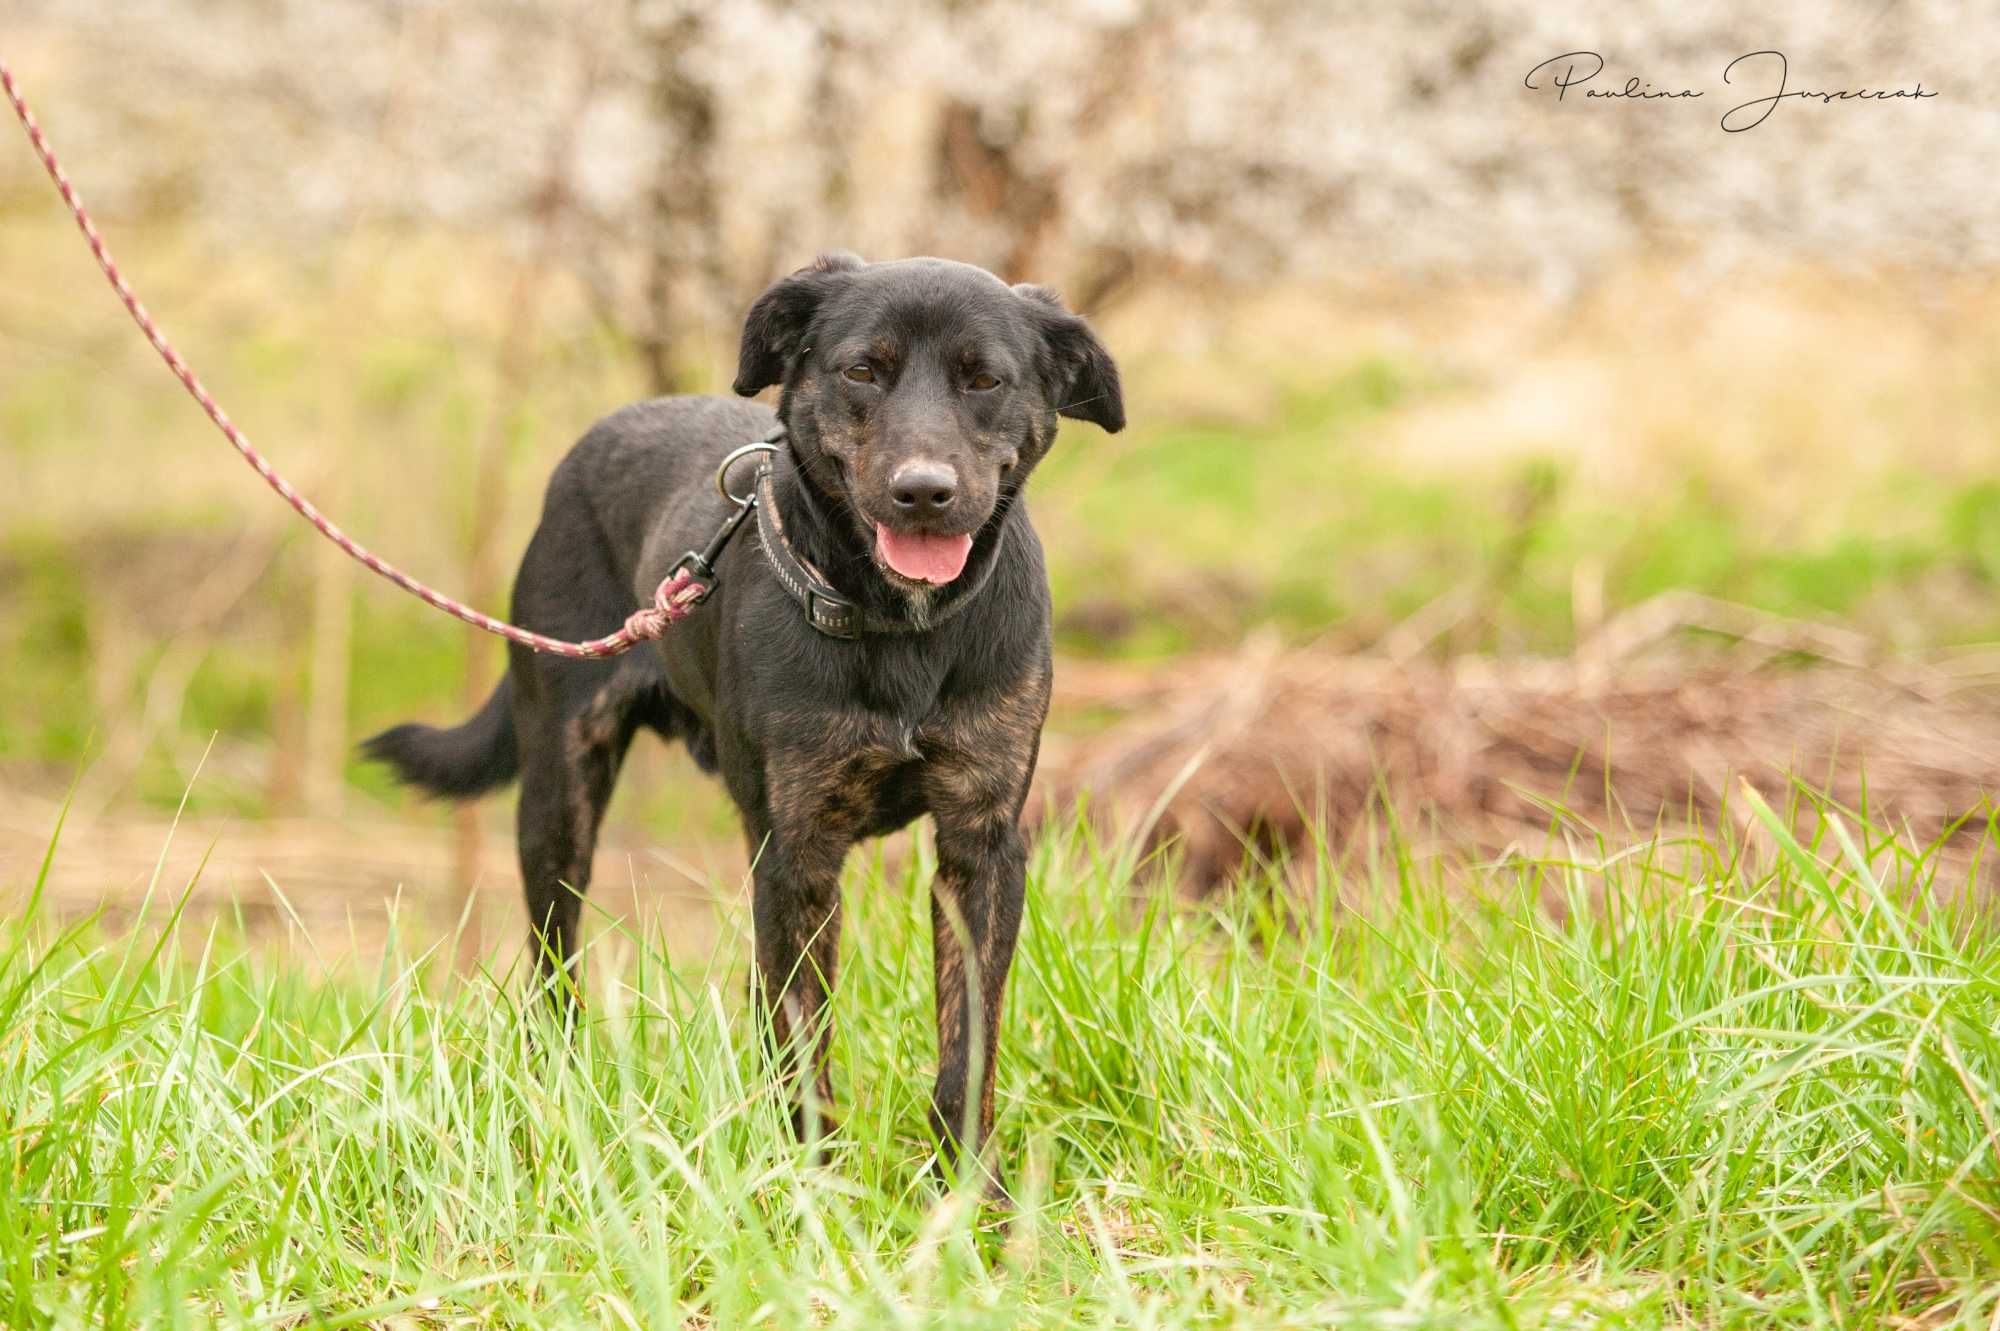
{"type": "Point", "coordinates": [860, 374]}
{"type": "Point", "coordinates": [982, 383]}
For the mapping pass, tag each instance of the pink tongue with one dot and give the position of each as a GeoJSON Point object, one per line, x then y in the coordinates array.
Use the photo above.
{"type": "Point", "coordinates": [926, 558]}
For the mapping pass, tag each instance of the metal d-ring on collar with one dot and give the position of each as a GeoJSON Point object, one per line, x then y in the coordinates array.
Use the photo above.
{"type": "Point", "coordinates": [768, 444]}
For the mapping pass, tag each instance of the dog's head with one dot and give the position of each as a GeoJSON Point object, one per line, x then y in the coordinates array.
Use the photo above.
{"type": "Point", "coordinates": [921, 393]}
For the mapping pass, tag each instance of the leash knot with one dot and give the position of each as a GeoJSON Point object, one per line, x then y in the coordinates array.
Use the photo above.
{"type": "Point", "coordinates": [673, 602]}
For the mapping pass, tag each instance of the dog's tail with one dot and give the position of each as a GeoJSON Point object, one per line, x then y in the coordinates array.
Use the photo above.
{"type": "Point", "coordinates": [460, 763]}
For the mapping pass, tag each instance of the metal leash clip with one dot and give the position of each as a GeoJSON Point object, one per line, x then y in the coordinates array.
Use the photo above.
{"type": "Point", "coordinates": [699, 565]}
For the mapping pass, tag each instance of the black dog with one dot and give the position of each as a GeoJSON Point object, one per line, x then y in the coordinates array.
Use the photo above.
{"type": "Point", "coordinates": [875, 649]}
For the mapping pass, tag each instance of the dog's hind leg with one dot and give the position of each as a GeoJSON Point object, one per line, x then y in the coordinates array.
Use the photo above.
{"type": "Point", "coordinates": [576, 723]}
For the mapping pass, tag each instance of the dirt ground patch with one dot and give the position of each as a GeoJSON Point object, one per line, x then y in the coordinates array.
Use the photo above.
{"type": "Point", "coordinates": [336, 886]}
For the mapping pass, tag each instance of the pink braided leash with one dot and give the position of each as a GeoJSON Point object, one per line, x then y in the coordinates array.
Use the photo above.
{"type": "Point", "coordinates": [674, 600]}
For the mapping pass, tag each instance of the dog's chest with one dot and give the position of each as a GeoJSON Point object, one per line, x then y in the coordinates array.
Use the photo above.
{"type": "Point", "coordinates": [846, 774]}
{"type": "Point", "coordinates": [859, 752]}
{"type": "Point", "coordinates": [860, 773]}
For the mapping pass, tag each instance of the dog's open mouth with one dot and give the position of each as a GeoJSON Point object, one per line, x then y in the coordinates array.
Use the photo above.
{"type": "Point", "coordinates": [935, 559]}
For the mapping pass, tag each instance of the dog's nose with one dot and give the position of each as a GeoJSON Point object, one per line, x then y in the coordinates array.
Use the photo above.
{"type": "Point", "coordinates": [923, 487]}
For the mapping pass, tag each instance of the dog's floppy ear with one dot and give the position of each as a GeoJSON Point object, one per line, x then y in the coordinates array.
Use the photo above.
{"type": "Point", "coordinates": [1082, 374]}
{"type": "Point", "coordinates": [778, 321]}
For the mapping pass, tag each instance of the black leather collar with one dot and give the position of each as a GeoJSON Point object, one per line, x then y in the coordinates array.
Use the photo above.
{"type": "Point", "coordinates": [827, 610]}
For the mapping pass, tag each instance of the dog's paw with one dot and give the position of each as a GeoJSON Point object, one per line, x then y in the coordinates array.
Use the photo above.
{"type": "Point", "coordinates": [815, 1125]}
{"type": "Point", "coordinates": [994, 1197]}
{"type": "Point", "coordinates": [948, 1175]}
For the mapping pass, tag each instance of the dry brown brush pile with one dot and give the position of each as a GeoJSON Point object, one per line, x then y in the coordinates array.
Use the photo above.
{"type": "Point", "coordinates": [1648, 726]}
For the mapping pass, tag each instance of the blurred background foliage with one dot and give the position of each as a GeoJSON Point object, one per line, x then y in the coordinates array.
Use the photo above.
{"type": "Point", "coordinates": [1396, 330]}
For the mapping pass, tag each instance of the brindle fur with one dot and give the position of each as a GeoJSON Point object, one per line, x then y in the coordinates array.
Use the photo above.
{"type": "Point", "coordinates": [820, 742]}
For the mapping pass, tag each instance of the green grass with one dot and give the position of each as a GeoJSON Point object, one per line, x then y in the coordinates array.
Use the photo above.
{"type": "Point", "coordinates": [1711, 1084]}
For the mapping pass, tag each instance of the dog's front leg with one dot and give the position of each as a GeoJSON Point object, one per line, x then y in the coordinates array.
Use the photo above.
{"type": "Point", "coordinates": [975, 918]}
{"type": "Point", "coordinates": [795, 912]}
